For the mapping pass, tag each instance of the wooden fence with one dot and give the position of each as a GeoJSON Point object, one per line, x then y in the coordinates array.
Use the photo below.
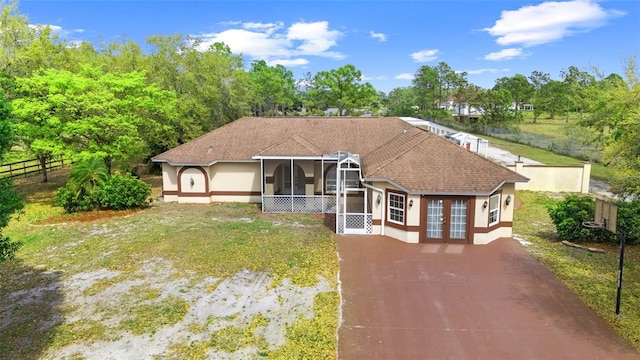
{"type": "Point", "coordinates": [29, 167]}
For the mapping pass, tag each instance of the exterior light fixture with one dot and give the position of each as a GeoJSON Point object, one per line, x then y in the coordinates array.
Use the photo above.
{"type": "Point", "coordinates": [485, 204]}
{"type": "Point", "coordinates": [507, 201]}
{"type": "Point", "coordinates": [411, 203]}
{"type": "Point", "coordinates": [379, 198]}
{"type": "Point", "coordinates": [191, 182]}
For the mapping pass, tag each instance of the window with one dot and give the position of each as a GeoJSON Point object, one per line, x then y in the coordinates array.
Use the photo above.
{"type": "Point", "coordinates": [396, 208]}
{"type": "Point", "coordinates": [352, 180]}
{"type": "Point", "coordinates": [494, 209]}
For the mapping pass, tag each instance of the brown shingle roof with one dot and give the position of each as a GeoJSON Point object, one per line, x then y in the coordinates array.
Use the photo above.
{"type": "Point", "coordinates": [389, 149]}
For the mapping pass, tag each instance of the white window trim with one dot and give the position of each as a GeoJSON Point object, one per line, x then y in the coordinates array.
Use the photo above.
{"type": "Point", "coordinates": [497, 210]}
{"type": "Point", "coordinates": [389, 208]}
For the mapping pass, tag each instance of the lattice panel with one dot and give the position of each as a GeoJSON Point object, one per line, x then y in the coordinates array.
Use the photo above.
{"type": "Point", "coordinates": [299, 204]}
{"type": "Point", "coordinates": [355, 221]}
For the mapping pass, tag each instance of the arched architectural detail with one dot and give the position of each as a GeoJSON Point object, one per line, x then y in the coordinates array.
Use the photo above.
{"type": "Point", "coordinates": [282, 181]}
{"type": "Point", "coordinates": [202, 183]}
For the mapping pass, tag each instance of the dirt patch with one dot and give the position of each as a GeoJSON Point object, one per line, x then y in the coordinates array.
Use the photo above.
{"type": "Point", "coordinates": [105, 298]}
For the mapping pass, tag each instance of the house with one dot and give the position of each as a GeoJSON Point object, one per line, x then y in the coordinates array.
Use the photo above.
{"type": "Point", "coordinates": [372, 175]}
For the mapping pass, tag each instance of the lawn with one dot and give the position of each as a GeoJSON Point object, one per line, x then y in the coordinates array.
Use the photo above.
{"type": "Point", "coordinates": [592, 276]}
{"type": "Point", "coordinates": [598, 171]}
{"type": "Point", "coordinates": [172, 280]}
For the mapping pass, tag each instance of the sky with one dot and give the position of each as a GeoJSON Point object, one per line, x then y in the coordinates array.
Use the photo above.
{"type": "Point", "coordinates": [388, 41]}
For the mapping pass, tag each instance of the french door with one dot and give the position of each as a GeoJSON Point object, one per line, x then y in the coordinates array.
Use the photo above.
{"type": "Point", "coordinates": [447, 220]}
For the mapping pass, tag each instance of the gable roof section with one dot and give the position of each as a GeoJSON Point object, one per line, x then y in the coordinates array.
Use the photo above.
{"type": "Point", "coordinates": [293, 146]}
{"type": "Point", "coordinates": [389, 148]}
{"type": "Point", "coordinates": [434, 165]}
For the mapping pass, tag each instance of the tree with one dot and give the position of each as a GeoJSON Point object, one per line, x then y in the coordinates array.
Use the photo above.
{"type": "Point", "coordinates": [210, 83]}
{"type": "Point", "coordinates": [273, 88]}
{"type": "Point", "coordinates": [25, 48]}
{"type": "Point", "coordinates": [38, 123]}
{"type": "Point", "coordinates": [343, 89]}
{"type": "Point", "coordinates": [538, 80]}
{"type": "Point", "coordinates": [498, 109]}
{"type": "Point", "coordinates": [10, 201]}
{"type": "Point", "coordinates": [552, 97]}
{"type": "Point", "coordinates": [427, 87]}
{"type": "Point", "coordinates": [614, 108]}
{"type": "Point", "coordinates": [470, 95]}
{"type": "Point", "coordinates": [6, 131]}
{"type": "Point", "coordinates": [576, 84]}
{"type": "Point", "coordinates": [402, 102]}
{"type": "Point", "coordinates": [113, 116]}
{"type": "Point", "coordinates": [519, 87]}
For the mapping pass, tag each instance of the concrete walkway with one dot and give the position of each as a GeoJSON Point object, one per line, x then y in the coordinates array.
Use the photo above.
{"type": "Point", "coordinates": [430, 301]}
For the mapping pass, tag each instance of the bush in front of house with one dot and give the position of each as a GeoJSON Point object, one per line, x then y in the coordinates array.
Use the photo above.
{"type": "Point", "coordinates": [122, 192]}
{"type": "Point", "coordinates": [72, 200]}
{"type": "Point", "coordinates": [90, 187]}
{"type": "Point", "coordinates": [569, 214]}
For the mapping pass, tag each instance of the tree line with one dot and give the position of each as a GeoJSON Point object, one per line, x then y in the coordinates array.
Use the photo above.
{"type": "Point", "coordinates": [120, 103]}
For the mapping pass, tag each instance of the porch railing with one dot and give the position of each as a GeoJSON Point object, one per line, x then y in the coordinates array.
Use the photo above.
{"type": "Point", "coordinates": [299, 203]}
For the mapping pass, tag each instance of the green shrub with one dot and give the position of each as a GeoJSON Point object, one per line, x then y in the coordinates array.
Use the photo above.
{"type": "Point", "coordinates": [72, 200]}
{"type": "Point", "coordinates": [629, 220]}
{"type": "Point", "coordinates": [123, 192]}
{"type": "Point", "coordinates": [8, 248]}
{"type": "Point", "coordinates": [569, 214]}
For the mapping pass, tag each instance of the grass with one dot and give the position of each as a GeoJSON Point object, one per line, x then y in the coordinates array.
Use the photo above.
{"type": "Point", "coordinates": [592, 276]}
{"type": "Point", "coordinates": [199, 243]}
{"type": "Point", "coordinates": [598, 171]}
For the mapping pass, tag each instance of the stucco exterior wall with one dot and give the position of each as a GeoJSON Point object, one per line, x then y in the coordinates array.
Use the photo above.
{"type": "Point", "coordinates": [554, 178]}
{"type": "Point", "coordinates": [481, 219]}
{"type": "Point", "coordinates": [169, 183]}
{"type": "Point", "coordinates": [406, 236]}
{"type": "Point", "coordinates": [235, 182]}
{"type": "Point", "coordinates": [486, 238]}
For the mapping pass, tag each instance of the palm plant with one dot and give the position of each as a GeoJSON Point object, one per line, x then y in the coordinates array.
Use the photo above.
{"type": "Point", "coordinates": [87, 174]}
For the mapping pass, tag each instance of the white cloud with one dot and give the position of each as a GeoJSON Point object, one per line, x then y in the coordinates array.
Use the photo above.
{"type": "Point", "coordinates": [425, 55]}
{"type": "Point", "coordinates": [288, 62]}
{"type": "Point", "coordinates": [275, 44]}
{"type": "Point", "coordinates": [316, 38]}
{"type": "Point", "coordinates": [505, 54]}
{"type": "Point", "coordinates": [369, 78]}
{"type": "Point", "coordinates": [380, 36]}
{"type": "Point", "coordinates": [267, 28]}
{"type": "Point", "coordinates": [56, 29]}
{"type": "Point", "coordinates": [404, 76]}
{"type": "Point", "coordinates": [549, 21]}
{"type": "Point", "coordinates": [257, 45]}
{"type": "Point", "coordinates": [482, 71]}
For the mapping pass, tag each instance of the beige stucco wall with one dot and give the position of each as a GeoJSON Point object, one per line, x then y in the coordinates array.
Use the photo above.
{"type": "Point", "coordinates": [506, 211]}
{"type": "Point", "coordinates": [241, 177]}
{"type": "Point", "coordinates": [482, 239]}
{"type": "Point", "coordinates": [169, 177]}
{"type": "Point", "coordinates": [227, 176]}
{"type": "Point", "coordinates": [406, 236]}
{"type": "Point", "coordinates": [554, 178]}
{"type": "Point", "coordinates": [481, 219]}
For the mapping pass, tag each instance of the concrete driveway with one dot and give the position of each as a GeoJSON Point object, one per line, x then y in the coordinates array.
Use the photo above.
{"type": "Point", "coordinates": [429, 301]}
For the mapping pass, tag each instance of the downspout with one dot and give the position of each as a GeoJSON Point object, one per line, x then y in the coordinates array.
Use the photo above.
{"type": "Point", "coordinates": [381, 203]}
